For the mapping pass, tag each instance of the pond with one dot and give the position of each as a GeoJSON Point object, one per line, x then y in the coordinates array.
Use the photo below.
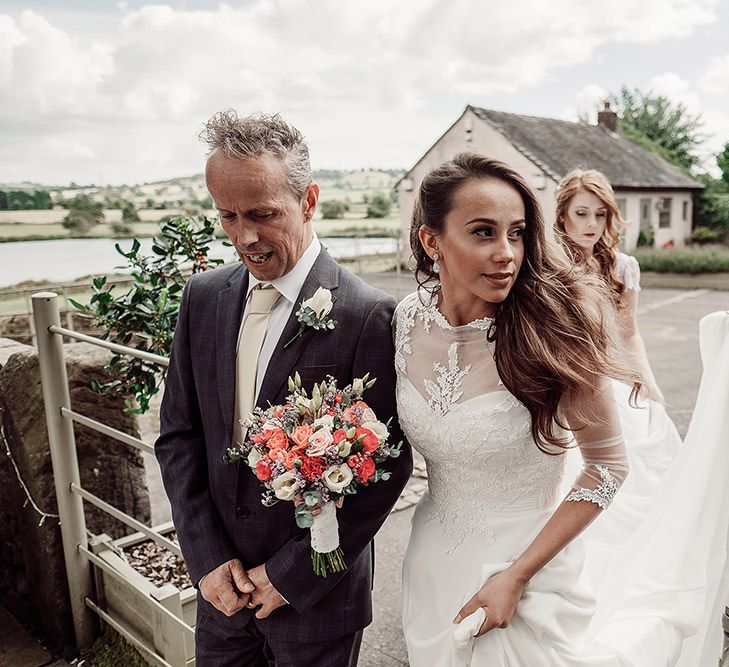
{"type": "Point", "coordinates": [65, 260]}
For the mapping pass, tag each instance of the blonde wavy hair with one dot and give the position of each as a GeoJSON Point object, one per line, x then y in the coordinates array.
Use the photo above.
{"type": "Point", "coordinates": [554, 331]}
{"type": "Point", "coordinates": [604, 252]}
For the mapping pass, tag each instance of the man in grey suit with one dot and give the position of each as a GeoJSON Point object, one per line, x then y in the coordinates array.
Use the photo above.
{"type": "Point", "coordinates": [259, 602]}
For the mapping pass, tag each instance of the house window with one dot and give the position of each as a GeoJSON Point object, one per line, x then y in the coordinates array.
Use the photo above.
{"type": "Point", "coordinates": [645, 213]}
{"type": "Point", "coordinates": [621, 207]}
{"type": "Point", "coordinates": [664, 212]}
{"type": "Point", "coordinates": [685, 210]}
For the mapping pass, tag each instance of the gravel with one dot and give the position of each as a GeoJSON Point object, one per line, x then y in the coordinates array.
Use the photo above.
{"type": "Point", "coordinates": [158, 564]}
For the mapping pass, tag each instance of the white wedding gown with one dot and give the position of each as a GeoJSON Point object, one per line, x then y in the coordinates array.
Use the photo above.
{"type": "Point", "coordinates": [491, 490]}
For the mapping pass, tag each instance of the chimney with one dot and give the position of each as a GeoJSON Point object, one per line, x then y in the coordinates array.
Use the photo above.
{"type": "Point", "coordinates": [607, 118]}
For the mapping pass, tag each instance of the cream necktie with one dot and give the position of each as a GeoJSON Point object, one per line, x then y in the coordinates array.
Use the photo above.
{"type": "Point", "coordinates": [249, 347]}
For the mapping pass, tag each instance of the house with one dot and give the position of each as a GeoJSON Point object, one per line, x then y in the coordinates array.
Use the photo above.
{"type": "Point", "coordinates": [654, 195]}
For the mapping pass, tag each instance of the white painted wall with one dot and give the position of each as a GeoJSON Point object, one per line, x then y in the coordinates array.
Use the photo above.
{"type": "Point", "coordinates": [482, 138]}
{"type": "Point", "coordinates": [678, 232]}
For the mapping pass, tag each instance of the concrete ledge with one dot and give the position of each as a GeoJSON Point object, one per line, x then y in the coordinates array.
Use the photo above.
{"type": "Point", "coordinates": [715, 281]}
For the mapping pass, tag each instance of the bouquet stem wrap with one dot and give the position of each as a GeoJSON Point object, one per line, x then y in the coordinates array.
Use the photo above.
{"type": "Point", "coordinates": [326, 555]}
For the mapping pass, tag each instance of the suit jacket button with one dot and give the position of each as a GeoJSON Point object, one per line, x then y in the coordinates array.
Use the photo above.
{"type": "Point", "coordinates": [242, 512]}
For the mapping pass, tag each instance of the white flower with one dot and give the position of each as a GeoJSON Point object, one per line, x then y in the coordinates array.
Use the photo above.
{"type": "Point", "coordinates": [302, 405]}
{"type": "Point", "coordinates": [326, 421]}
{"type": "Point", "coordinates": [344, 448]}
{"type": "Point", "coordinates": [271, 425]}
{"type": "Point", "coordinates": [358, 386]}
{"type": "Point", "coordinates": [337, 478]}
{"type": "Point", "coordinates": [321, 303]}
{"type": "Point", "coordinates": [254, 456]}
{"type": "Point", "coordinates": [378, 428]}
{"type": "Point", "coordinates": [319, 441]}
{"type": "Point", "coordinates": [285, 486]}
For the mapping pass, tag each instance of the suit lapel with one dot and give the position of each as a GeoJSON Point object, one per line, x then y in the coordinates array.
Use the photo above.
{"type": "Point", "coordinates": [324, 273]}
{"type": "Point", "coordinates": [228, 317]}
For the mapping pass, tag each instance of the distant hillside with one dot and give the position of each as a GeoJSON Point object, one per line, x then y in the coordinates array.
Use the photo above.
{"type": "Point", "coordinates": [353, 185]}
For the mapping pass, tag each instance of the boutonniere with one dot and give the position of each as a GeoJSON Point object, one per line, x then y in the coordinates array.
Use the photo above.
{"type": "Point", "coordinates": [314, 314]}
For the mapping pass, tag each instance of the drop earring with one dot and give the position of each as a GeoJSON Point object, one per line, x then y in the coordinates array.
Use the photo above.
{"type": "Point", "coordinates": [436, 264]}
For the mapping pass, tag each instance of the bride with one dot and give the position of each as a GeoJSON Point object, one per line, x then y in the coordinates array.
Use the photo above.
{"type": "Point", "coordinates": [512, 348]}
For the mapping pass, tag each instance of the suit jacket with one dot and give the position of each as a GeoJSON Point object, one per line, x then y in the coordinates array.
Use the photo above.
{"type": "Point", "coordinates": [217, 508]}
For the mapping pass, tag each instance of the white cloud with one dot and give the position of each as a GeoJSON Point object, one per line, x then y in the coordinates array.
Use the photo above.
{"type": "Point", "coordinates": [369, 81]}
{"type": "Point", "coordinates": [715, 80]}
{"type": "Point", "coordinates": [587, 101]}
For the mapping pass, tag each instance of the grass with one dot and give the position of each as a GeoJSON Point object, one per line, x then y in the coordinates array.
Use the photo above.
{"type": "Point", "coordinates": [24, 232]}
{"type": "Point", "coordinates": [111, 650]}
{"type": "Point", "coordinates": [350, 224]}
{"type": "Point", "coordinates": [365, 227]}
{"type": "Point", "coordinates": [693, 259]}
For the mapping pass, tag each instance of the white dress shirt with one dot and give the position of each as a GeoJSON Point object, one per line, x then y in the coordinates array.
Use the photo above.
{"type": "Point", "coordinates": [289, 285]}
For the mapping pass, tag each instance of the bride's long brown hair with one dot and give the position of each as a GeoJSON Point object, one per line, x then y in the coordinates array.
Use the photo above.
{"type": "Point", "coordinates": [553, 332]}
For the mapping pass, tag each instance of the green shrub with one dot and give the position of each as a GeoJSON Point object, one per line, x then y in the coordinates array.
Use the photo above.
{"type": "Point", "coordinates": [333, 209]}
{"type": "Point", "coordinates": [706, 259]}
{"type": "Point", "coordinates": [645, 238]}
{"type": "Point", "coordinates": [704, 235]}
{"type": "Point", "coordinates": [379, 207]}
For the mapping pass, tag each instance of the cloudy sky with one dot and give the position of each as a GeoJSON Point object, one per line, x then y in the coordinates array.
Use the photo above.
{"type": "Point", "coordinates": [103, 92]}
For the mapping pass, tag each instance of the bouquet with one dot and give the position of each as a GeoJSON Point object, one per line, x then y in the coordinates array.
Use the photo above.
{"type": "Point", "coordinates": [315, 451]}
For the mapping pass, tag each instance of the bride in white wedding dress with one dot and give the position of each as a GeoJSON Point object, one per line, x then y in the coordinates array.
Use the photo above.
{"type": "Point", "coordinates": [514, 343]}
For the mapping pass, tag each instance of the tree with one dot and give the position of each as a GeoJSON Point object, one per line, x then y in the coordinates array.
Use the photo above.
{"type": "Point", "coordinates": [129, 212]}
{"type": "Point", "coordinates": [83, 214]}
{"type": "Point", "coordinates": [42, 199]}
{"type": "Point", "coordinates": [722, 159]}
{"type": "Point", "coordinates": [379, 207]}
{"type": "Point", "coordinates": [333, 209]}
{"type": "Point", "coordinates": [711, 206]}
{"type": "Point", "coordinates": [656, 123]}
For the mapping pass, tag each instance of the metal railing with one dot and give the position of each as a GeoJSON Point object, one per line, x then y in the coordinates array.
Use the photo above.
{"type": "Point", "coordinates": [66, 290]}
{"type": "Point", "coordinates": [70, 493]}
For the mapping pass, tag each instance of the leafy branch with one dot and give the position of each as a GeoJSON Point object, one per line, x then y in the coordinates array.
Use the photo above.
{"type": "Point", "coordinates": [144, 317]}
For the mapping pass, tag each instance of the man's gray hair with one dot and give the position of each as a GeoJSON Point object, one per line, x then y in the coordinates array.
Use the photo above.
{"type": "Point", "coordinates": [261, 134]}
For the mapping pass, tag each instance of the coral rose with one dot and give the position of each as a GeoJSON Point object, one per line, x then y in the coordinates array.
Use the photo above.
{"type": "Point", "coordinates": [311, 468]}
{"type": "Point", "coordinates": [339, 435]}
{"type": "Point", "coordinates": [301, 434]}
{"type": "Point", "coordinates": [365, 470]}
{"type": "Point", "coordinates": [278, 440]}
{"type": "Point", "coordinates": [263, 472]}
{"type": "Point", "coordinates": [368, 414]}
{"type": "Point", "coordinates": [369, 441]}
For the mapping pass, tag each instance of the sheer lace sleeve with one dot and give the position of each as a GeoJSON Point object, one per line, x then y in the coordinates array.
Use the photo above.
{"type": "Point", "coordinates": [597, 429]}
{"type": "Point", "coordinates": [627, 270]}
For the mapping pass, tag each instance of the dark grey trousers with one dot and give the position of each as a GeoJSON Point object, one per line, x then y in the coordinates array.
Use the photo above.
{"type": "Point", "coordinates": [217, 646]}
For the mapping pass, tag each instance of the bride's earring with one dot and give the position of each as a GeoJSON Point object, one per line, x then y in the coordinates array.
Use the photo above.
{"type": "Point", "coordinates": [436, 264]}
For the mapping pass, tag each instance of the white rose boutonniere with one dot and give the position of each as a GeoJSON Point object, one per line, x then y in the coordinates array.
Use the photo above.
{"type": "Point", "coordinates": [314, 314]}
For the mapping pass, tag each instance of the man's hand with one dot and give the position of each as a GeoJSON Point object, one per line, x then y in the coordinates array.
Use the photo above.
{"type": "Point", "coordinates": [227, 587]}
{"type": "Point", "coordinates": [265, 594]}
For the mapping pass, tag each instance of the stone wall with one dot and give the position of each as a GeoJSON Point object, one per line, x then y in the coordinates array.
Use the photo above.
{"type": "Point", "coordinates": [32, 574]}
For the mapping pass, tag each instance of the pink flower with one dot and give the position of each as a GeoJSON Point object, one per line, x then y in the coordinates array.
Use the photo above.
{"type": "Point", "coordinates": [319, 442]}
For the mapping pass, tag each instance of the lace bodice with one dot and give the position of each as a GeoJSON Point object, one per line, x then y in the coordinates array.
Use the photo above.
{"type": "Point", "coordinates": [474, 435]}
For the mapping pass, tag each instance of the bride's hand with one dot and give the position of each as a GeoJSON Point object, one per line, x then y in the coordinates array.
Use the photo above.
{"type": "Point", "coordinates": [499, 596]}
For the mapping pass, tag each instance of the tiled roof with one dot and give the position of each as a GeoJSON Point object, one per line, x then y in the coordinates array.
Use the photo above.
{"type": "Point", "coordinates": [557, 146]}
